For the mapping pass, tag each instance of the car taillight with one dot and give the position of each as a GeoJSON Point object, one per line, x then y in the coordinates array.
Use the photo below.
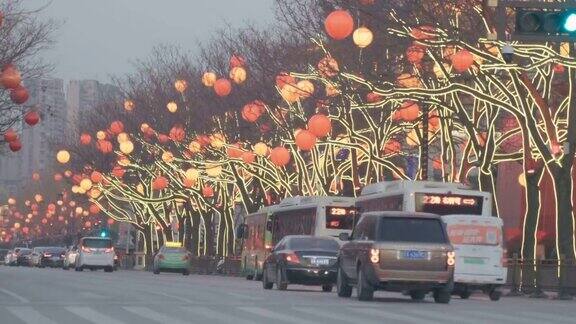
{"type": "Point", "coordinates": [451, 258]}
{"type": "Point", "coordinates": [47, 255]}
{"type": "Point", "coordinates": [292, 258]}
{"type": "Point", "coordinates": [374, 255]}
{"type": "Point", "coordinates": [109, 250]}
{"type": "Point", "coordinates": [86, 249]}
{"type": "Point", "coordinates": [504, 258]}
{"type": "Point", "coordinates": [160, 256]}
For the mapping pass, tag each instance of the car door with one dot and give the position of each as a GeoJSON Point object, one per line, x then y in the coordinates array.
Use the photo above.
{"type": "Point", "coordinates": [349, 250]}
{"type": "Point", "coordinates": [273, 260]}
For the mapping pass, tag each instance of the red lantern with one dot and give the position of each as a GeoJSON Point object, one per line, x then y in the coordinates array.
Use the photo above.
{"type": "Point", "coordinates": [159, 183]}
{"type": "Point", "coordinates": [223, 87]}
{"type": "Point", "coordinates": [96, 177]}
{"type": "Point", "coordinates": [207, 192]}
{"type": "Point", "coordinates": [77, 178]}
{"type": "Point", "coordinates": [10, 77]}
{"type": "Point", "coordinates": [51, 208]}
{"type": "Point", "coordinates": [110, 221]}
{"type": "Point", "coordinates": [118, 172]}
{"type": "Point", "coordinates": [25, 230]}
{"type": "Point", "coordinates": [373, 97]}
{"type": "Point", "coordinates": [423, 32]}
{"type": "Point", "coordinates": [280, 156]}
{"type": "Point", "coordinates": [320, 125]}
{"type": "Point", "coordinates": [19, 95]}
{"type": "Point", "coordinates": [237, 61]}
{"type": "Point", "coordinates": [87, 224]}
{"type": "Point", "coordinates": [409, 111]}
{"type": "Point", "coordinates": [104, 146]}
{"type": "Point", "coordinates": [163, 139]}
{"type": "Point", "coordinates": [10, 135]}
{"type": "Point", "coordinates": [328, 67]}
{"type": "Point", "coordinates": [462, 60]}
{"type": "Point", "coordinates": [559, 68]}
{"type": "Point", "coordinates": [248, 157]}
{"type": "Point", "coordinates": [94, 209]}
{"type": "Point", "coordinates": [44, 221]}
{"type": "Point", "coordinates": [85, 139]}
{"type": "Point", "coordinates": [283, 79]}
{"type": "Point", "coordinates": [177, 133]}
{"type": "Point", "coordinates": [252, 111]}
{"type": "Point", "coordinates": [15, 145]}
{"type": "Point", "coordinates": [35, 176]}
{"type": "Point", "coordinates": [392, 147]}
{"type": "Point", "coordinates": [339, 24]}
{"type": "Point", "coordinates": [32, 118]}
{"type": "Point", "coordinates": [116, 127]}
{"type": "Point", "coordinates": [57, 177]}
{"type": "Point", "coordinates": [305, 140]}
{"type": "Point", "coordinates": [234, 151]}
{"type": "Point", "coordinates": [415, 54]}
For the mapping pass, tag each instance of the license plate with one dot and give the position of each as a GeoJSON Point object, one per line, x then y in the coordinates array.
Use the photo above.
{"type": "Point", "coordinates": [320, 262]}
{"type": "Point", "coordinates": [414, 255]}
{"type": "Point", "coordinates": [474, 260]}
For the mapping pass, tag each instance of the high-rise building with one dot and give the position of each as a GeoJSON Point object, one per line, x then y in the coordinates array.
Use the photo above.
{"type": "Point", "coordinates": [83, 96]}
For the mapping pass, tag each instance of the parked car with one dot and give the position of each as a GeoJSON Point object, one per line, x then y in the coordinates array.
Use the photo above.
{"type": "Point", "coordinates": [3, 254]}
{"type": "Point", "coordinates": [303, 260]}
{"type": "Point", "coordinates": [480, 254]}
{"type": "Point", "coordinates": [12, 257]}
{"type": "Point", "coordinates": [95, 253]}
{"type": "Point", "coordinates": [36, 256]}
{"type": "Point", "coordinates": [23, 257]}
{"type": "Point", "coordinates": [52, 257]}
{"type": "Point", "coordinates": [172, 257]}
{"type": "Point", "coordinates": [397, 251]}
{"type": "Point", "coordinates": [70, 258]}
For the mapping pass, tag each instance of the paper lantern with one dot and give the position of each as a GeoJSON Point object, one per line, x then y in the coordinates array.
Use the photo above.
{"type": "Point", "coordinates": [248, 157]}
{"type": "Point", "coordinates": [101, 135]}
{"type": "Point", "coordinates": [17, 225]}
{"type": "Point", "coordinates": [85, 139]}
{"type": "Point", "coordinates": [63, 156]}
{"type": "Point", "coordinates": [159, 183]}
{"type": "Point", "coordinates": [328, 67]}
{"type": "Point", "coordinates": [234, 151]}
{"type": "Point", "coordinates": [192, 174]}
{"type": "Point", "coordinates": [412, 138]}
{"type": "Point", "coordinates": [38, 198]}
{"type": "Point", "coordinates": [167, 157]}
{"type": "Point", "coordinates": [126, 147]}
{"type": "Point", "coordinates": [19, 95]}
{"type": "Point", "coordinates": [290, 94]}
{"type": "Point", "coordinates": [305, 140]}
{"type": "Point", "coordinates": [284, 79]}
{"type": "Point", "coordinates": [104, 146]}
{"type": "Point", "coordinates": [15, 145]}
{"type": "Point", "coordinates": [214, 171]}
{"type": "Point", "coordinates": [35, 176]}
{"type": "Point", "coordinates": [122, 137]}
{"type": "Point", "coordinates": [237, 61]}
{"type": "Point", "coordinates": [209, 79]}
{"type": "Point", "coordinates": [57, 177]}
{"type": "Point", "coordinates": [415, 54]}
{"type": "Point", "coordinates": [116, 127]}
{"type": "Point", "coordinates": [25, 230]}
{"type": "Point", "coordinates": [261, 149]}
{"type": "Point", "coordinates": [129, 105]}
{"type": "Point", "coordinates": [180, 85]}
{"type": "Point", "coordinates": [110, 221]}
{"type": "Point", "coordinates": [363, 37]}
{"type": "Point", "coordinates": [118, 172]}
{"type": "Point", "coordinates": [10, 135]}
{"type": "Point", "coordinates": [339, 24]}
{"type": "Point", "coordinates": [87, 224]}
{"type": "Point", "coordinates": [195, 147]}
{"type": "Point", "coordinates": [238, 75]}
{"type": "Point", "coordinates": [32, 118]}
{"type": "Point", "coordinates": [217, 140]}
{"type": "Point", "coordinates": [172, 107]}
{"type": "Point", "coordinates": [251, 112]}
{"type": "Point", "coordinates": [409, 111]}
{"type": "Point", "coordinates": [11, 201]}
{"type": "Point", "coordinates": [320, 125]}
{"type": "Point", "coordinates": [163, 139]}
{"type": "Point", "coordinates": [462, 60]}
{"type": "Point", "coordinates": [223, 87]}
{"type": "Point", "coordinates": [86, 184]}
{"type": "Point", "coordinates": [177, 133]}
{"type": "Point", "coordinates": [373, 97]}
{"type": "Point", "coordinates": [207, 192]}
{"type": "Point", "coordinates": [305, 89]}
{"type": "Point", "coordinates": [558, 68]}
{"type": "Point", "coordinates": [96, 177]}
{"type": "Point", "coordinates": [280, 156]}
{"type": "Point", "coordinates": [10, 78]}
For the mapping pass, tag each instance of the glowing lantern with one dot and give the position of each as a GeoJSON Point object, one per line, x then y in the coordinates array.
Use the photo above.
{"type": "Point", "coordinates": [319, 125]}
{"type": "Point", "coordinates": [415, 54]}
{"type": "Point", "coordinates": [159, 183]}
{"type": "Point", "coordinates": [10, 78]}
{"type": "Point", "coordinates": [248, 157]}
{"type": "Point", "coordinates": [38, 198]}
{"type": "Point", "coordinates": [86, 184]}
{"type": "Point", "coordinates": [35, 176]}
{"type": "Point", "coordinates": [407, 80]}
{"type": "Point", "coordinates": [32, 118]}
{"type": "Point", "coordinates": [172, 107]}
{"type": "Point", "coordinates": [180, 85]}
{"type": "Point", "coordinates": [252, 111]}
{"type": "Point", "coordinates": [290, 94]}
{"type": "Point", "coordinates": [163, 139]}
{"type": "Point", "coordinates": [392, 147]}
{"type": "Point", "coordinates": [522, 179]}
{"type": "Point", "coordinates": [122, 137]}
{"type": "Point", "coordinates": [209, 79]}
{"type": "Point", "coordinates": [44, 221]}
{"type": "Point", "coordinates": [116, 127]}
{"type": "Point", "coordinates": [305, 88]}
{"type": "Point", "coordinates": [57, 177]}
{"type": "Point", "coordinates": [237, 61]}
{"type": "Point", "coordinates": [177, 133]}
{"type": "Point", "coordinates": [101, 135]}
{"type": "Point", "coordinates": [238, 75]}
{"type": "Point", "coordinates": [10, 135]}
{"type": "Point", "coordinates": [305, 140]}
{"type": "Point", "coordinates": [409, 111]}
{"type": "Point", "coordinates": [95, 193]}
{"type": "Point", "coordinates": [118, 172]}
{"type": "Point", "coordinates": [195, 147]}
{"type": "Point", "coordinates": [110, 221]}
{"type": "Point", "coordinates": [17, 225]}
{"type": "Point", "coordinates": [11, 201]}
{"type": "Point", "coordinates": [129, 105]}
{"type": "Point", "coordinates": [188, 183]}
{"type": "Point", "coordinates": [217, 140]}
{"type": "Point", "coordinates": [85, 139]}
{"type": "Point", "coordinates": [104, 146]}
{"type": "Point", "coordinates": [261, 149]}
{"type": "Point", "coordinates": [67, 173]}
{"type": "Point", "coordinates": [373, 97]}
{"type": "Point", "coordinates": [328, 67]}
{"type": "Point", "coordinates": [87, 224]}
{"type": "Point", "coordinates": [214, 171]}
{"type": "Point", "coordinates": [19, 95]}
{"type": "Point", "coordinates": [207, 192]}
{"type": "Point", "coordinates": [96, 177]}
{"type": "Point", "coordinates": [284, 79]}
{"type": "Point", "coordinates": [423, 32]}
{"type": "Point", "coordinates": [25, 230]}
{"type": "Point", "coordinates": [339, 24]}
{"type": "Point", "coordinates": [363, 37]}
{"type": "Point", "coordinates": [234, 151]}
{"type": "Point", "coordinates": [558, 68]}
{"type": "Point", "coordinates": [15, 145]}
{"type": "Point", "coordinates": [462, 60]}
{"type": "Point", "coordinates": [192, 174]}
{"type": "Point", "coordinates": [63, 156]}
{"type": "Point", "coordinates": [126, 147]}
{"type": "Point", "coordinates": [280, 156]}
{"type": "Point", "coordinates": [223, 87]}
{"type": "Point", "coordinates": [167, 157]}
{"type": "Point", "coordinates": [51, 208]}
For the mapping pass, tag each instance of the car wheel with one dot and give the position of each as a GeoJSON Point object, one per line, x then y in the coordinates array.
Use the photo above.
{"type": "Point", "coordinates": [465, 294]}
{"type": "Point", "coordinates": [442, 296]}
{"type": "Point", "coordinates": [364, 289]}
{"type": "Point", "coordinates": [281, 284]}
{"type": "Point", "coordinates": [265, 283]}
{"type": "Point", "coordinates": [186, 272]}
{"type": "Point", "coordinates": [495, 295]}
{"type": "Point", "coordinates": [108, 269]}
{"type": "Point", "coordinates": [79, 269]}
{"type": "Point", "coordinates": [156, 271]}
{"type": "Point", "coordinates": [342, 286]}
{"type": "Point", "coordinates": [417, 295]}
{"type": "Point", "coordinates": [327, 288]}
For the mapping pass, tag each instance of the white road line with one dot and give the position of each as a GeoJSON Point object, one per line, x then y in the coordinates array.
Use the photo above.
{"type": "Point", "coordinates": [15, 296]}
{"type": "Point", "coordinates": [215, 315]}
{"type": "Point", "coordinates": [332, 315]}
{"type": "Point", "coordinates": [388, 314]}
{"type": "Point", "coordinates": [182, 299]}
{"type": "Point", "coordinates": [149, 314]}
{"type": "Point", "coordinates": [29, 315]}
{"type": "Point", "coordinates": [92, 316]}
{"type": "Point", "coordinates": [275, 316]}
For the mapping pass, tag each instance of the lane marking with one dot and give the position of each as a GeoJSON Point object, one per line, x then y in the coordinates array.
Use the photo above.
{"type": "Point", "coordinates": [182, 299]}
{"type": "Point", "coordinates": [92, 316]}
{"type": "Point", "coordinates": [29, 315]}
{"type": "Point", "coordinates": [15, 296]}
{"type": "Point", "coordinates": [332, 315]}
{"type": "Point", "coordinates": [215, 315]}
{"type": "Point", "coordinates": [149, 314]}
{"type": "Point", "coordinates": [274, 315]}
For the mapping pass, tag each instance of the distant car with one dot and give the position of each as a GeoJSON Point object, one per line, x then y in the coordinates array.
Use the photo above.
{"type": "Point", "coordinates": [3, 254]}
{"type": "Point", "coordinates": [95, 253]}
{"type": "Point", "coordinates": [23, 257]}
{"type": "Point", "coordinates": [52, 257]}
{"type": "Point", "coordinates": [172, 257]}
{"type": "Point", "coordinates": [36, 256]}
{"type": "Point", "coordinates": [70, 258]}
{"type": "Point", "coordinates": [397, 251]}
{"type": "Point", "coordinates": [303, 260]}
{"type": "Point", "coordinates": [12, 257]}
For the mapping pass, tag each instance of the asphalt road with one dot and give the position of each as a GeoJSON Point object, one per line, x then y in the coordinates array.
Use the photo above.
{"type": "Point", "coordinates": [47, 296]}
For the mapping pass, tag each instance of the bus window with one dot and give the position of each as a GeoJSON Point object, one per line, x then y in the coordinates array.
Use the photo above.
{"type": "Point", "coordinates": [341, 218]}
{"type": "Point", "coordinates": [293, 222]}
{"type": "Point", "coordinates": [391, 203]}
{"type": "Point", "coordinates": [446, 204]}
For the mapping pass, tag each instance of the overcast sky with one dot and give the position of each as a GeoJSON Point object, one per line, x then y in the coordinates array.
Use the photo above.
{"type": "Point", "coordinates": [100, 37]}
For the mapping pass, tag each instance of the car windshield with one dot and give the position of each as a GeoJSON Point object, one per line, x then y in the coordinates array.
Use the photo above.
{"type": "Point", "coordinates": [417, 230]}
{"type": "Point", "coordinates": [97, 243]}
{"type": "Point", "coordinates": [313, 243]}
{"type": "Point", "coordinates": [174, 250]}
{"type": "Point", "coordinates": [55, 250]}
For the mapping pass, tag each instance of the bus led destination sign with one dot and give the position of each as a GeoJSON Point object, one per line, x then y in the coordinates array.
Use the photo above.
{"type": "Point", "coordinates": [446, 204]}
{"type": "Point", "coordinates": [449, 200]}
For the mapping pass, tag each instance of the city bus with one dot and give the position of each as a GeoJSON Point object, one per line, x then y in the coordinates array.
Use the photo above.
{"type": "Point", "coordinates": [439, 198]}
{"type": "Point", "coordinates": [313, 215]}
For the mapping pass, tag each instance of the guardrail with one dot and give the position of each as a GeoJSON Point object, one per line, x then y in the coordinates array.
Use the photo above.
{"type": "Point", "coordinates": [536, 277]}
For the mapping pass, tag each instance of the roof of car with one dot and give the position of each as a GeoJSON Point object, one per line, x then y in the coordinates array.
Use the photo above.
{"type": "Point", "coordinates": [308, 236]}
{"type": "Point", "coordinates": [401, 214]}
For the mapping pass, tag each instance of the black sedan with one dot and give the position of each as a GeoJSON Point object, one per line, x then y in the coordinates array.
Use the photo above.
{"type": "Point", "coordinates": [53, 257]}
{"type": "Point", "coordinates": [23, 257]}
{"type": "Point", "coordinates": [303, 260]}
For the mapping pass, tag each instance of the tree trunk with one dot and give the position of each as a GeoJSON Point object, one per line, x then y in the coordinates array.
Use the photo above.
{"type": "Point", "coordinates": [486, 183]}
{"type": "Point", "coordinates": [528, 251]}
{"type": "Point", "coordinates": [564, 212]}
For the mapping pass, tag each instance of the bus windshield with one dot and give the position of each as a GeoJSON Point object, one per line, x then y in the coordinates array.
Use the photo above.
{"type": "Point", "coordinates": [341, 218]}
{"type": "Point", "coordinates": [447, 204]}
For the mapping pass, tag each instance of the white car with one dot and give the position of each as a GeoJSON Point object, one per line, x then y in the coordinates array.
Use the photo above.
{"type": "Point", "coordinates": [95, 253]}
{"type": "Point", "coordinates": [70, 258]}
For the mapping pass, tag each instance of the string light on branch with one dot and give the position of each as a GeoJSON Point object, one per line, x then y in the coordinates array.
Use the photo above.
{"type": "Point", "coordinates": [63, 156]}
{"type": "Point", "coordinates": [363, 37]}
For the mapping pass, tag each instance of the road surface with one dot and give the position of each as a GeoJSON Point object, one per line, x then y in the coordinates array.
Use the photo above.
{"type": "Point", "coordinates": [47, 296]}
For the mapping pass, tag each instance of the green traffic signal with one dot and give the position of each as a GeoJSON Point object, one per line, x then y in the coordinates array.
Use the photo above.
{"type": "Point", "coordinates": [570, 22]}
{"type": "Point", "coordinates": [545, 22]}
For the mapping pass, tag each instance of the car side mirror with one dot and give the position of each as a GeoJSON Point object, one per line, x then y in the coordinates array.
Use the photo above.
{"type": "Point", "coordinates": [344, 237]}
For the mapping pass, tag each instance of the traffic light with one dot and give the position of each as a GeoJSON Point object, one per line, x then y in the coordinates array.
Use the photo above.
{"type": "Point", "coordinates": [545, 22]}
{"type": "Point", "coordinates": [104, 232]}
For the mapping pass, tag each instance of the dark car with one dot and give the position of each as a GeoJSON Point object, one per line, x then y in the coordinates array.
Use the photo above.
{"type": "Point", "coordinates": [23, 257]}
{"type": "Point", "coordinates": [3, 254]}
{"type": "Point", "coordinates": [397, 251]}
{"type": "Point", "coordinates": [304, 260]}
{"type": "Point", "coordinates": [52, 257]}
